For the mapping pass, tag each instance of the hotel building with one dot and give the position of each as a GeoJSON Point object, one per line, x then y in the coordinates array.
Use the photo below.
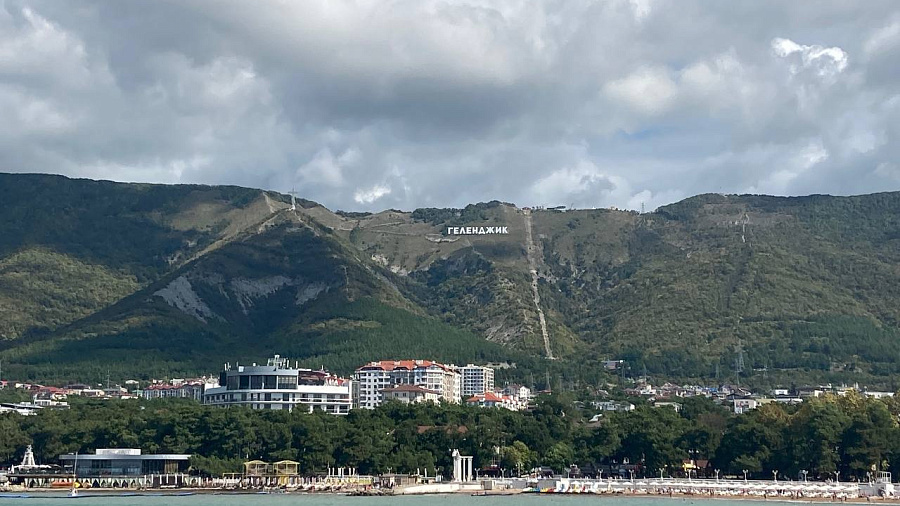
{"type": "Point", "coordinates": [277, 385]}
{"type": "Point", "coordinates": [374, 378]}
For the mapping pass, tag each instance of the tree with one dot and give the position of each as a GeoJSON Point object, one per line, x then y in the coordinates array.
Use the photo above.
{"type": "Point", "coordinates": [559, 457]}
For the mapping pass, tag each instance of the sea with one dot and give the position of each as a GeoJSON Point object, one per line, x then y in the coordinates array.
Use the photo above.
{"type": "Point", "coordinates": [339, 500]}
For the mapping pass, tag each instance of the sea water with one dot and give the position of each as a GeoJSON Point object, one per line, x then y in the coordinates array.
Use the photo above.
{"type": "Point", "coordinates": [87, 499]}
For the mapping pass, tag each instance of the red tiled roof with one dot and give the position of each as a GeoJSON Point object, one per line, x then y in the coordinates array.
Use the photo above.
{"type": "Point", "coordinates": [485, 397]}
{"type": "Point", "coordinates": [409, 365]}
{"type": "Point", "coordinates": [162, 387]}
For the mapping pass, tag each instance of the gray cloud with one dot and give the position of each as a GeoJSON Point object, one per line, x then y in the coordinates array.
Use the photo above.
{"type": "Point", "coordinates": [412, 103]}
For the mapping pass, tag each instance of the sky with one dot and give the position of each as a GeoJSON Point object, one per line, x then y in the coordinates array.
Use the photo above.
{"type": "Point", "coordinates": [365, 105]}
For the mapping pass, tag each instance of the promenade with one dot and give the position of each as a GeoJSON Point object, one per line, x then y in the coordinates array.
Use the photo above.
{"type": "Point", "coordinates": [714, 487]}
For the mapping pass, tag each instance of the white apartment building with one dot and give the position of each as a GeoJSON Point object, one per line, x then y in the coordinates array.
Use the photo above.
{"type": "Point", "coordinates": [373, 378]}
{"type": "Point", "coordinates": [476, 380]}
{"type": "Point", "coordinates": [276, 385]}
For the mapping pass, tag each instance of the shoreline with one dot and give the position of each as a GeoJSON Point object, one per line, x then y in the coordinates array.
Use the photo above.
{"type": "Point", "coordinates": [470, 489]}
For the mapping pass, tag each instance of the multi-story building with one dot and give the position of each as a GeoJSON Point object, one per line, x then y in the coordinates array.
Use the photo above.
{"type": "Point", "coordinates": [476, 380]}
{"type": "Point", "coordinates": [373, 378]}
{"type": "Point", "coordinates": [165, 390]}
{"type": "Point", "coordinates": [277, 385]}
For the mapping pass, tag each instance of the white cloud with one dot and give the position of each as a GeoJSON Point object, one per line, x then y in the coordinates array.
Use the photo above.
{"type": "Point", "coordinates": [408, 103]}
{"type": "Point", "coordinates": [322, 169]}
{"type": "Point", "coordinates": [824, 61]}
{"type": "Point", "coordinates": [649, 90]}
{"type": "Point", "coordinates": [370, 195]}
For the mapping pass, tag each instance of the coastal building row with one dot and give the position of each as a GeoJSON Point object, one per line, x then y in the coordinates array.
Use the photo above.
{"type": "Point", "coordinates": [280, 386]}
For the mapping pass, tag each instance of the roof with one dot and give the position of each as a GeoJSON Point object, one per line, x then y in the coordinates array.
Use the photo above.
{"type": "Point", "coordinates": [409, 365]}
{"type": "Point", "coordinates": [160, 456]}
{"type": "Point", "coordinates": [486, 397]}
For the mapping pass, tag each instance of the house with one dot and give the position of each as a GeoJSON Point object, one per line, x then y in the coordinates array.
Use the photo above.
{"type": "Point", "coordinates": [613, 405]}
{"type": "Point", "coordinates": [492, 400]}
{"type": "Point", "coordinates": [741, 406]}
{"type": "Point", "coordinates": [668, 404]}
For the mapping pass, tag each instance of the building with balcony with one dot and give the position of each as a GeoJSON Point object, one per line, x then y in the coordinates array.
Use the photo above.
{"type": "Point", "coordinates": [277, 385]}
{"type": "Point", "coordinates": [374, 378]}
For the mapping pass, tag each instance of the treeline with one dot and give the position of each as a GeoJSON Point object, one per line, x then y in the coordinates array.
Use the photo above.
{"type": "Point", "coordinates": [848, 435]}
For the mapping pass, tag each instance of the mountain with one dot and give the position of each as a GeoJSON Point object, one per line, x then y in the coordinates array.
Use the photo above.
{"type": "Point", "coordinates": [166, 280]}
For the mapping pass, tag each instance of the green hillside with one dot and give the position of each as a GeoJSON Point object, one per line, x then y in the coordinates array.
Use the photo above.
{"type": "Point", "coordinates": [287, 288]}
{"type": "Point", "coordinates": [151, 280]}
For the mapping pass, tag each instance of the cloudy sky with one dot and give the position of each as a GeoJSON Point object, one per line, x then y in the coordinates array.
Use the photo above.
{"type": "Point", "coordinates": [365, 105]}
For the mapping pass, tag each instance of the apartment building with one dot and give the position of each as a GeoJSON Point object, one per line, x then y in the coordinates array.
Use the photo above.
{"type": "Point", "coordinates": [476, 380]}
{"type": "Point", "coordinates": [374, 378]}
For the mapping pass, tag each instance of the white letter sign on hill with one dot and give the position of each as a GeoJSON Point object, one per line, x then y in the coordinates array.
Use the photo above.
{"type": "Point", "coordinates": [476, 230]}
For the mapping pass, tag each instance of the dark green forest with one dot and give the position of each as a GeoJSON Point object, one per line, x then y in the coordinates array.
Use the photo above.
{"type": "Point", "coordinates": [845, 434]}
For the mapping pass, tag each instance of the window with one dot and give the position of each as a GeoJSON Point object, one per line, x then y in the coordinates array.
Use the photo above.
{"type": "Point", "coordinates": [287, 382]}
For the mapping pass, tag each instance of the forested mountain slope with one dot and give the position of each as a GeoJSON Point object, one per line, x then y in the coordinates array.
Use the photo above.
{"type": "Point", "coordinates": [153, 279]}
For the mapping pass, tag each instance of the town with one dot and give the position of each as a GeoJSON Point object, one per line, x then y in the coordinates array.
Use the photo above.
{"type": "Point", "coordinates": [281, 385]}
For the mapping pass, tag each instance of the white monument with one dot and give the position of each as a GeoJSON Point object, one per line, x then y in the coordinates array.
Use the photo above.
{"type": "Point", "coordinates": [462, 467]}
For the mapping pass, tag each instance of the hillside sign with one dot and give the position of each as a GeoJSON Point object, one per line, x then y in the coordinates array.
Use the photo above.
{"type": "Point", "coordinates": [477, 230]}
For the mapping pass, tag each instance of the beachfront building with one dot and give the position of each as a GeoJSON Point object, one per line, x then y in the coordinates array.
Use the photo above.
{"type": "Point", "coordinates": [128, 468]}
{"type": "Point", "coordinates": [277, 385]}
{"type": "Point", "coordinates": [476, 379]}
{"type": "Point", "coordinates": [124, 462]}
{"type": "Point", "coordinates": [374, 378]}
